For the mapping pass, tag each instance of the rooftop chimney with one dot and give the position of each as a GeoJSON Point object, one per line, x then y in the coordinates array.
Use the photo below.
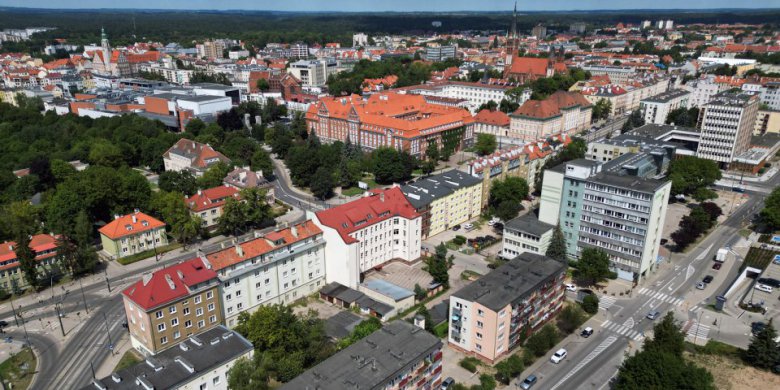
{"type": "Point", "coordinates": [239, 250]}
{"type": "Point", "coordinates": [135, 220]}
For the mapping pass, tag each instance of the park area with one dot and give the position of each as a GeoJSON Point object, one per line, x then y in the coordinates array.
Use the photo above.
{"type": "Point", "coordinates": [17, 371]}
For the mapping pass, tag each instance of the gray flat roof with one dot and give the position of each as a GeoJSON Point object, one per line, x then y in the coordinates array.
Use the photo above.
{"type": "Point", "coordinates": [667, 96]}
{"type": "Point", "coordinates": [529, 224]}
{"type": "Point", "coordinates": [388, 289]}
{"type": "Point", "coordinates": [204, 353]}
{"type": "Point", "coordinates": [342, 324]}
{"type": "Point", "coordinates": [731, 98]}
{"type": "Point", "coordinates": [654, 131]}
{"type": "Point", "coordinates": [633, 183]}
{"type": "Point", "coordinates": [427, 189]}
{"type": "Point", "coordinates": [512, 281]}
{"type": "Point", "coordinates": [216, 86]}
{"type": "Point", "coordinates": [372, 362]}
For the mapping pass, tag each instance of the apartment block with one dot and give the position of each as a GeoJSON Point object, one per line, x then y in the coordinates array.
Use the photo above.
{"type": "Point", "coordinates": [489, 316]}
{"type": "Point", "coordinates": [767, 121]}
{"type": "Point", "coordinates": [655, 109]}
{"type": "Point", "coordinates": [476, 94]}
{"type": "Point", "coordinates": [166, 307]}
{"type": "Point", "coordinates": [132, 233]}
{"type": "Point", "coordinates": [367, 233]}
{"type": "Point", "coordinates": [561, 113]}
{"type": "Point", "coordinates": [44, 246]}
{"type": "Point", "coordinates": [200, 362]}
{"type": "Point", "coordinates": [278, 267]}
{"type": "Point", "coordinates": [726, 124]}
{"type": "Point", "coordinates": [525, 234]}
{"type": "Point", "coordinates": [207, 204]}
{"type": "Point", "coordinates": [770, 95]}
{"type": "Point", "coordinates": [445, 200]}
{"type": "Point", "coordinates": [397, 356]}
{"type": "Point", "coordinates": [313, 73]}
{"type": "Point", "coordinates": [608, 206]}
{"type": "Point", "coordinates": [439, 53]}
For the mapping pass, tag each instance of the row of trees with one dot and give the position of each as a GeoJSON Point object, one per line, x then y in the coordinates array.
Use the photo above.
{"type": "Point", "coordinates": [770, 215]}
{"type": "Point", "coordinates": [409, 72]}
{"type": "Point", "coordinates": [693, 225]}
{"type": "Point", "coordinates": [683, 117]}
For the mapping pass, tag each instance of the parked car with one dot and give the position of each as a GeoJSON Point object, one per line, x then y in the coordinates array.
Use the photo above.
{"type": "Point", "coordinates": [587, 332]}
{"type": "Point", "coordinates": [528, 382]}
{"type": "Point", "coordinates": [707, 279]}
{"type": "Point", "coordinates": [757, 327]}
{"type": "Point", "coordinates": [456, 228]}
{"type": "Point", "coordinates": [653, 314]}
{"type": "Point", "coordinates": [571, 287]}
{"type": "Point", "coordinates": [3, 323]}
{"type": "Point", "coordinates": [770, 282]}
{"type": "Point", "coordinates": [447, 383]}
{"type": "Point", "coordinates": [558, 356]}
{"type": "Point", "coordinates": [468, 226]}
{"type": "Point", "coordinates": [498, 227]}
{"type": "Point", "coordinates": [9, 339]}
{"type": "Point", "coordinates": [716, 266]}
{"type": "Point", "coordinates": [701, 285]}
{"type": "Point", "coordinates": [764, 288]}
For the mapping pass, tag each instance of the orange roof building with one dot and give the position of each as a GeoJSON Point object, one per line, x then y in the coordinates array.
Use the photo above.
{"type": "Point", "coordinates": [524, 69]}
{"type": "Point", "coordinates": [187, 155]}
{"type": "Point", "coordinates": [44, 246]}
{"type": "Point", "coordinates": [561, 113]}
{"type": "Point", "coordinates": [131, 234]}
{"type": "Point", "coordinates": [207, 204]}
{"type": "Point", "coordinates": [402, 121]}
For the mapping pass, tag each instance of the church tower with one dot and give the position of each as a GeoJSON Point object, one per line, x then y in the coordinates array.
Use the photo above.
{"type": "Point", "coordinates": [105, 46]}
{"type": "Point", "coordinates": [511, 39]}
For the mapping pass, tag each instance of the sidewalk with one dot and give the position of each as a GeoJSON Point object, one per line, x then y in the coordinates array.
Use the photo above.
{"type": "Point", "coordinates": [766, 176]}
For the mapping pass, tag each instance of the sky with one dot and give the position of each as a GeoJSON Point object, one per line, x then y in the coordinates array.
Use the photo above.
{"type": "Point", "coordinates": [391, 5]}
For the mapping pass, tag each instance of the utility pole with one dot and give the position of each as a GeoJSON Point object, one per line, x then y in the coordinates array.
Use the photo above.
{"type": "Point", "coordinates": [105, 273]}
{"type": "Point", "coordinates": [16, 318]}
{"type": "Point", "coordinates": [83, 298]}
{"type": "Point", "coordinates": [108, 335]}
{"type": "Point", "coordinates": [698, 325]}
{"type": "Point", "coordinates": [24, 325]}
{"type": "Point", "coordinates": [59, 317]}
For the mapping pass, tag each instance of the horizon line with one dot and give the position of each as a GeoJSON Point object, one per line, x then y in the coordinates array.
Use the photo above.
{"type": "Point", "coordinates": [391, 11]}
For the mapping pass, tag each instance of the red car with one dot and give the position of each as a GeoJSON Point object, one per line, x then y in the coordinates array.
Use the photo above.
{"type": "Point", "coordinates": [716, 266]}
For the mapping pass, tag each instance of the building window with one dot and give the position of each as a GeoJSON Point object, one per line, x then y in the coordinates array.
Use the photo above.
{"type": "Point", "coordinates": [215, 380]}
{"type": "Point", "coordinates": [211, 306]}
{"type": "Point", "coordinates": [199, 311]}
{"type": "Point", "coordinates": [213, 319]}
{"type": "Point", "coordinates": [188, 324]}
{"type": "Point", "coordinates": [197, 299]}
{"type": "Point", "coordinates": [174, 322]}
{"type": "Point", "coordinates": [209, 295]}
{"type": "Point", "coordinates": [201, 323]}
{"type": "Point", "coordinates": [186, 311]}
{"type": "Point", "coordinates": [159, 314]}
{"type": "Point", "coordinates": [164, 340]}
{"type": "Point", "coordinates": [160, 327]}
{"type": "Point", "coordinates": [480, 312]}
{"type": "Point", "coordinates": [479, 336]}
{"type": "Point", "coordinates": [176, 335]}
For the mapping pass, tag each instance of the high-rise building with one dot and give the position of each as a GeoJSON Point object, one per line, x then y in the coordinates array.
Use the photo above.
{"type": "Point", "coordinates": [646, 24]}
{"type": "Point", "coordinates": [726, 124]}
{"type": "Point", "coordinates": [211, 49]}
{"type": "Point", "coordinates": [299, 50]}
{"type": "Point", "coordinates": [607, 206]}
{"type": "Point", "coordinates": [669, 25]}
{"type": "Point", "coordinates": [489, 316]}
{"type": "Point", "coordinates": [438, 53]}
{"type": "Point", "coordinates": [359, 39]}
{"type": "Point", "coordinates": [577, 27]}
{"type": "Point", "coordinates": [539, 31]}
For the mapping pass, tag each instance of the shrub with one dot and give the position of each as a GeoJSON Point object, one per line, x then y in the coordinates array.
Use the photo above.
{"type": "Point", "coordinates": [509, 368]}
{"type": "Point", "coordinates": [543, 340]}
{"type": "Point", "coordinates": [590, 304]}
{"type": "Point", "coordinates": [459, 240]}
{"type": "Point", "coordinates": [570, 318]}
{"type": "Point", "coordinates": [470, 363]}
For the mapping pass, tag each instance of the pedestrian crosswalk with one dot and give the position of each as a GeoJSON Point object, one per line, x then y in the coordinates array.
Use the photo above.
{"type": "Point", "coordinates": [697, 332]}
{"type": "Point", "coordinates": [606, 301]}
{"type": "Point", "coordinates": [660, 296]}
{"type": "Point", "coordinates": [623, 330]}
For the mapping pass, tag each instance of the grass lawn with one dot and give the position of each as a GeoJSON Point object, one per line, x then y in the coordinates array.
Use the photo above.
{"type": "Point", "coordinates": [729, 371]}
{"type": "Point", "coordinates": [19, 369]}
{"type": "Point", "coordinates": [351, 191]}
{"type": "Point", "coordinates": [130, 358]}
{"type": "Point", "coordinates": [442, 329]}
{"type": "Point", "coordinates": [146, 254]}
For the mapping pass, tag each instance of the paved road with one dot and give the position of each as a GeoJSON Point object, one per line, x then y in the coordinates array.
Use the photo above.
{"type": "Point", "coordinates": [283, 190]}
{"type": "Point", "coordinates": [592, 362]}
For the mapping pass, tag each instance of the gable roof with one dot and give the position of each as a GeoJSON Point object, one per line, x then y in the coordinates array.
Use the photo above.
{"type": "Point", "coordinates": [211, 198]}
{"type": "Point", "coordinates": [198, 153]}
{"type": "Point", "coordinates": [253, 248]}
{"type": "Point", "coordinates": [530, 65]}
{"type": "Point", "coordinates": [492, 117]}
{"type": "Point", "coordinates": [169, 284]}
{"type": "Point", "coordinates": [378, 205]}
{"type": "Point", "coordinates": [552, 106]}
{"type": "Point", "coordinates": [130, 224]}
{"type": "Point", "coordinates": [44, 246]}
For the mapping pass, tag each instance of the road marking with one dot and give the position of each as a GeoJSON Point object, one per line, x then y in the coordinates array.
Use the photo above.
{"type": "Point", "coordinates": [661, 296]}
{"type": "Point", "coordinates": [605, 302]}
{"type": "Point", "coordinates": [629, 323]}
{"type": "Point", "coordinates": [690, 271]}
{"type": "Point", "coordinates": [698, 331]}
{"type": "Point", "coordinates": [599, 349]}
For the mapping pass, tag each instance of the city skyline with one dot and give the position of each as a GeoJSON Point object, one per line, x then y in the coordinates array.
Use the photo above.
{"type": "Point", "coordinates": [385, 5]}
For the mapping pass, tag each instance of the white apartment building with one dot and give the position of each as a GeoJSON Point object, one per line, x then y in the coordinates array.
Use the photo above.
{"type": "Point", "coordinates": [655, 109]}
{"type": "Point", "coordinates": [770, 95]}
{"type": "Point", "coordinates": [359, 39]}
{"type": "Point", "coordinates": [727, 123]}
{"type": "Point", "coordinates": [525, 234]}
{"type": "Point", "coordinates": [274, 268]}
{"type": "Point", "coordinates": [313, 73]}
{"type": "Point", "coordinates": [476, 94]}
{"type": "Point", "coordinates": [703, 90]}
{"type": "Point", "coordinates": [617, 74]}
{"type": "Point", "coordinates": [299, 50]}
{"type": "Point", "coordinates": [367, 233]}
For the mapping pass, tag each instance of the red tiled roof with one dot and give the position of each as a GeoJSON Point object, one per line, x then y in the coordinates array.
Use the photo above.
{"type": "Point", "coordinates": [529, 65]}
{"type": "Point", "coordinates": [261, 245]}
{"type": "Point", "coordinates": [130, 224]}
{"type": "Point", "coordinates": [44, 246]}
{"type": "Point", "coordinates": [168, 284]}
{"type": "Point", "coordinates": [202, 152]}
{"type": "Point", "coordinates": [551, 106]}
{"type": "Point", "coordinates": [366, 211]}
{"type": "Point", "coordinates": [495, 117]}
{"type": "Point", "coordinates": [211, 198]}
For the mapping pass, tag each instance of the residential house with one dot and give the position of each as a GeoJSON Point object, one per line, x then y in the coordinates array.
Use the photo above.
{"type": "Point", "coordinates": [131, 234]}
{"type": "Point", "coordinates": [44, 246]}
{"type": "Point", "coordinates": [208, 204]}
{"type": "Point", "coordinates": [192, 156]}
{"type": "Point", "coordinates": [445, 200]}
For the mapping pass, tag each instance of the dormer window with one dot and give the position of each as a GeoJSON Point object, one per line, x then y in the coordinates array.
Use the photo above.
{"type": "Point", "coordinates": [145, 223]}
{"type": "Point", "coordinates": [129, 227]}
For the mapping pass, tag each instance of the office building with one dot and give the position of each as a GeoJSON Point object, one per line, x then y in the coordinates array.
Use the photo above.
{"type": "Point", "coordinates": [489, 316]}
{"type": "Point", "coordinates": [132, 233]}
{"type": "Point", "coordinates": [367, 233]}
{"type": "Point", "coordinates": [200, 362]}
{"type": "Point", "coordinates": [525, 234]}
{"type": "Point", "coordinates": [726, 124]}
{"type": "Point", "coordinates": [539, 31]}
{"type": "Point", "coordinates": [445, 200]}
{"type": "Point", "coordinates": [278, 267]}
{"type": "Point", "coordinates": [211, 49]}
{"type": "Point", "coordinates": [655, 109]}
{"type": "Point", "coordinates": [397, 356]}
{"type": "Point", "coordinates": [438, 53]}
{"type": "Point", "coordinates": [577, 28]}
{"type": "Point", "coordinates": [611, 206]}
{"type": "Point", "coordinates": [561, 113]}
{"type": "Point", "coordinates": [299, 50]}
{"type": "Point", "coordinates": [313, 73]}
{"type": "Point", "coordinates": [476, 94]}
{"type": "Point", "coordinates": [770, 95]}
{"type": "Point", "coordinates": [167, 306]}
{"type": "Point", "coordinates": [359, 39]}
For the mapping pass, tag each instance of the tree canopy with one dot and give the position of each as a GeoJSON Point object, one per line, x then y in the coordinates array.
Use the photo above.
{"type": "Point", "coordinates": [506, 197]}
{"type": "Point", "coordinates": [689, 173]}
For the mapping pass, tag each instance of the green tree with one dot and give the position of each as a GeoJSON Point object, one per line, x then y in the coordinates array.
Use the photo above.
{"type": "Point", "coordinates": [486, 144]}
{"type": "Point", "coordinates": [419, 292]}
{"type": "Point", "coordinates": [601, 109]}
{"type": "Point", "coordinates": [770, 214]}
{"type": "Point", "coordinates": [246, 375]}
{"type": "Point", "coordinates": [688, 174]}
{"type": "Point", "coordinates": [105, 153]}
{"type": "Point", "coordinates": [667, 337]}
{"type": "Point", "coordinates": [570, 318]}
{"type": "Point", "coordinates": [26, 258]}
{"type": "Point", "coordinates": [509, 368]}
{"type": "Point", "coordinates": [322, 183]}
{"type": "Point", "coordinates": [544, 339]}
{"type": "Point", "coordinates": [432, 152]}
{"type": "Point", "coordinates": [262, 85]}
{"type": "Point", "coordinates": [683, 117]}
{"type": "Point", "coordinates": [439, 265]}
{"type": "Point", "coordinates": [763, 352]}
{"type": "Point", "coordinates": [506, 197]}
{"type": "Point", "coordinates": [590, 303]}
{"type": "Point", "coordinates": [391, 166]}
{"type": "Point", "coordinates": [361, 330]}
{"type": "Point", "coordinates": [213, 176]}
{"type": "Point", "coordinates": [592, 266]}
{"type": "Point", "coordinates": [634, 120]}
{"type": "Point", "coordinates": [233, 219]}
{"type": "Point", "coordinates": [557, 248]}
{"type": "Point", "coordinates": [181, 182]}
{"type": "Point", "coordinates": [261, 161]}
{"type": "Point", "coordinates": [426, 315]}
{"type": "Point", "coordinates": [171, 208]}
